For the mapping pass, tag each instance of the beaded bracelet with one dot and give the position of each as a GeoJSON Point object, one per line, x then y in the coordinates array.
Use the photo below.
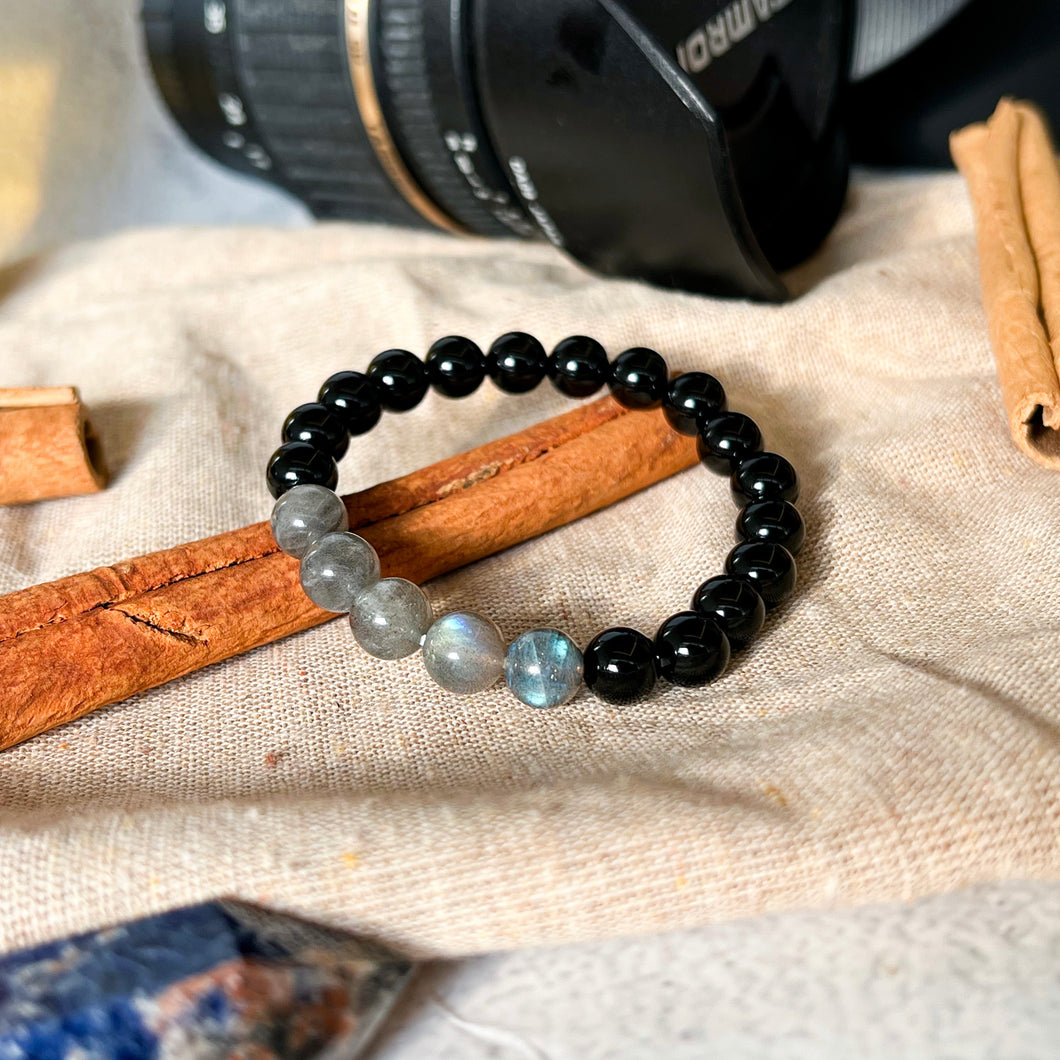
{"type": "Point", "coordinates": [465, 652]}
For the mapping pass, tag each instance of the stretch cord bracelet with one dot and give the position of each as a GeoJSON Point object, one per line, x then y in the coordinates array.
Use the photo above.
{"type": "Point", "coordinates": [465, 652]}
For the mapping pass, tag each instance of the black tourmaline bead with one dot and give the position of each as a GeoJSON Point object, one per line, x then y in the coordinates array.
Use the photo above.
{"type": "Point", "coordinates": [691, 400]}
{"type": "Point", "coordinates": [578, 366]}
{"type": "Point", "coordinates": [400, 378]}
{"type": "Point", "coordinates": [734, 604]}
{"type": "Point", "coordinates": [769, 568]}
{"type": "Point", "coordinates": [295, 464]}
{"type": "Point", "coordinates": [620, 665]}
{"type": "Point", "coordinates": [516, 362]}
{"type": "Point", "coordinates": [691, 649]}
{"type": "Point", "coordinates": [764, 477]}
{"type": "Point", "coordinates": [318, 426]}
{"type": "Point", "coordinates": [639, 378]}
{"type": "Point", "coordinates": [727, 438]}
{"type": "Point", "coordinates": [353, 397]}
{"type": "Point", "coordinates": [775, 522]}
{"type": "Point", "coordinates": [455, 366]}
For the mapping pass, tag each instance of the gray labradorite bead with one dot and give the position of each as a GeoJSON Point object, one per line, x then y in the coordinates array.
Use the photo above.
{"type": "Point", "coordinates": [464, 652]}
{"type": "Point", "coordinates": [336, 569]}
{"type": "Point", "coordinates": [543, 668]}
{"type": "Point", "coordinates": [303, 515]}
{"type": "Point", "coordinates": [389, 619]}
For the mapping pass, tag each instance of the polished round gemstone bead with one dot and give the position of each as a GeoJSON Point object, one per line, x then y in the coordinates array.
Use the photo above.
{"type": "Point", "coordinates": [764, 477]}
{"type": "Point", "coordinates": [769, 568]}
{"type": "Point", "coordinates": [464, 652]}
{"type": "Point", "coordinates": [455, 366]}
{"type": "Point", "coordinates": [726, 439]}
{"type": "Point", "coordinates": [639, 378]}
{"type": "Point", "coordinates": [620, 665]}
{"type": "Point", "coordinates": [734, 604]}
{"type": "Point", "coordinates": [578, 366]}
{"type": "Point", "coordinates": [298, 463]}
{"type": "Point", "coordinates": [390, 618]}
{"type": "Point", "coordinates": [353, 397]}
{"type": "Point", "coordinates": [303, 515]}
{"type": "Point", "coordinates": [516, 362]}
{"type": "Point", "coordinates": [336, 569]}
{"type": "Point", "coordinates": [316, 425]}
{"type": "Point", "coordinates": [776, 522]}
{"type": "Point", "coordinates": [543, 668]}
{"type": "Point", "coordinates": [400, 378]}
{"type": "Point", "coordinates": [691, 649]}
{"type": "Point", "coordinates": [691, 400]}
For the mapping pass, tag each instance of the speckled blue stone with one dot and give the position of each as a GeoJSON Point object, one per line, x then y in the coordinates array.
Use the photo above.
{"type": "Point", "coordinates": [543, 668]}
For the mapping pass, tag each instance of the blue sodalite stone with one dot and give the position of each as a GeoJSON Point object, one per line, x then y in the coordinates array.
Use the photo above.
{"type": "Point", "coordinates": [543, 668]}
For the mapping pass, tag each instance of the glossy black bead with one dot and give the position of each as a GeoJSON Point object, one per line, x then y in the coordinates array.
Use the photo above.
{"type": "Point", "coordinates": [764, 477]}
{"type": "Point", "coordinates": [775, 522]}
{"type": "Point", "coordinates": [639, 378]}
{"type": "Point", "coordinates": [769, 568]}
{"type": "Point", "coordinates": [455, 366]}
{"type": "Point", "coordinates": [578, 366]}
{"type": "Point", "coordinates": [353, 397]}
{"type": "Point", "coordinates": [726, 439]}
{"type": "Point", "coordinates": [620, 665]}
{"type": "Point", "coordinates": [734, 604]}
{"type": "Point", "coordinates": [692, 399]}
{"type": "Point", "coordinates": [516, 362]}
{"type": "Point", "coordinates": [296, 463]}
{"type": "Point", "coordinates": [691, 649]}
{"type": "Point", "coordinates": [400, 378]}
{"type": "Point", "coordinates": [317, 425]}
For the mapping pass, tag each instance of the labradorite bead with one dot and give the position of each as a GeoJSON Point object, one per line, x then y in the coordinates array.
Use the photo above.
{"type": "Point", "coordinates": [516, 362]}
{"type": "Point", "coordinates": [691, 399]}
{"type": "Point", "coordinates": [764, 477]}
{"type": "Point", "coordinates": [769, 568]}
{"type": "Point", "coordinates": [639, 378]}
{"type": "Point", "coordinates": [319, 427]}
{"type": "Point", "coordinates": [578, 366]}
{"type": "Point", "coordinates": [305, 514]}
{"type": "Point", "coordinates": [691, 649]}
{"type": "Point", "coordinates": [734, 604]}
{"type": "Point", "coordinates": [390, 618]}
{"type": "Point", "coordinates": [777, 522]}
{"type": "Point", "coordinates": [400, 378]}
{"type": "Point", "coordinates": [543, 668]}
{"type": "Point", "coordinates": [726, 439]}
{"type": "Point", "coordinates": [464, 652]}
{"type": "Point", "coordinates": [455, 366]}
{"type": "Point", "coordinates": [336, 569]}
{"type": "Point", "coordinates": [620, 665]}
{"type": "Point", "coordinates": [296, 463]}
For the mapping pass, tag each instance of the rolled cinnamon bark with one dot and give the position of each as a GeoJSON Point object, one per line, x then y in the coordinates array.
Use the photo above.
{"type": "Point", "coordinates": [70, 646]}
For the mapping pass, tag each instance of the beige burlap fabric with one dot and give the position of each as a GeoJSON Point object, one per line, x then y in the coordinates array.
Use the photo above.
{"type": "Point", "coordinates": [893, 733]}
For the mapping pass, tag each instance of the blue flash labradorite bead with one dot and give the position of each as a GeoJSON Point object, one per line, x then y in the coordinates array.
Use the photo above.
{"type": "Point", "coordinates": [691, 649]}
{"type": "Point", "coordinates": [769, 568]}
{"type": "Point", "coordinates": [692, 399]}
{"type": "Point", "coordinates": [639, 378]}
{"type": "Point", "coordinates": [400, 378]}
{"type": "Point", "coordinates": [775, 522]}
{"type": "Point", "coordinates": [316, 425]}
{"type": "Point", "coordinates": [620, 665]}
{"type": "Point", "coordinates": [455, 366]}
{"type": "Point", "coordinates": [516, 362]}
{"type": "Point", "coordinates": [726, 439]}
{"type": "Point", "coordinates": [298, 463]}
{"type": "Point", "coordinates": [734, 604]}
{"type": "Point", "coordinates": [543, 668]}
{"type": "Point", "coordinates": [578, 366]}
{"type": "Point", "coordinates": [764, 477]}
{"type": "Point", "coordinates": [464, 652]}
{"type": "Point", "coordinates": [353, 397]}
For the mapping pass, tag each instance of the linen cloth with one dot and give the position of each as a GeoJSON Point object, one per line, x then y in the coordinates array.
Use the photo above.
{"type": "Point", "coordinates": [892, 734]}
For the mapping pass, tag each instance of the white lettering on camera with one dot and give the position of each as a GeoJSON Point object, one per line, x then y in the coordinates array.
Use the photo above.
{"type": "Point", "coordinates": [214, 17]}
{"type": "Point", "coordinates": [717, 35]}
{"type": "Point", "coordinates": [528, 190]}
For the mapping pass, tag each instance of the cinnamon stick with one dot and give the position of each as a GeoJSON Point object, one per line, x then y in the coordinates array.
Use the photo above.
{"type": "Point", "coordinates": [47, 445]}
{"type": "Point", "coordinates": [72, 645]}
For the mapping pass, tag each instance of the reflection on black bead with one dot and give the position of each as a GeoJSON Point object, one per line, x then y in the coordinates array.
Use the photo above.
{"type": "Point", "coordinates": [691, 400]}
{"type": "Point", "coordinates": [727, 438]}
{"type": "Point", "coordinates": [578, 366]}
{"type": "Point", "coordinates": [769, 568]}
{"type": "Point", "coordinates": [455, 366]}
{"type": "Point", "coordinates": [691, 649]}
{"type": "Point", "coordinates": [353, 397]}
{"type": "Point", "coordinates": [400, 379]}
{"type": "Point", "coordinates": [318, 426]}
{"type": "Point", "coordinates": [764, 477]}
{"type": "Point", "coordinates": [516, 362]}
{"type": "Point", "coordinates": [775, 522]}
{"type": "Point", "coordinates": [639, 378]}
{"type": "Point", "coordinates": [298, 463]}
{"type": "Point", "coordinates": [734, 604]}
{"type": "Point", "coordinates": [620, 665]}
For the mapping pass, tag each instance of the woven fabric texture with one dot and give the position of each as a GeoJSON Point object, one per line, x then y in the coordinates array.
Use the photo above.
{"type": "Point", "coordinates": [892, 734]}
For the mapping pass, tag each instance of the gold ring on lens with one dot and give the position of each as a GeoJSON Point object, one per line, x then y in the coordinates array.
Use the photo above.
{"type": "Point", "coordinates": [358, 49]}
